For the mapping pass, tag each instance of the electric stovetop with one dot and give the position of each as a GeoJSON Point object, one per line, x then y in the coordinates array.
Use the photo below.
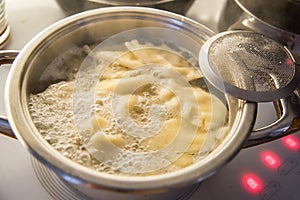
{"type": "Point", "coordinates": [266, 172]}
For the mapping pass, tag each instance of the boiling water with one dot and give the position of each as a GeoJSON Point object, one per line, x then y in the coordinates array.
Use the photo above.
{"type": "Point", "coordinates": [52, 113]}
{"type": "Point", "coordinates": [143, 120]}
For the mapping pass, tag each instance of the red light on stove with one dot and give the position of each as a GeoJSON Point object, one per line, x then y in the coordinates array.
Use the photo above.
{"type": "Point", "coordinates": [252, 183]}
{"type": "Point", "coordinates": [270, 159]}
{"type": "Point", "coordinates": [291, 142]}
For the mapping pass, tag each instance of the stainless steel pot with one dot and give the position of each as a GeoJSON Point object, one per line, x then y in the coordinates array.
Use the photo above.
{"type": "Point", "coordinates": [76, 6]}
{"type": "Point", "coordinates": [91, 27]}
{"type": "Point", "coordinates": [277, 19]}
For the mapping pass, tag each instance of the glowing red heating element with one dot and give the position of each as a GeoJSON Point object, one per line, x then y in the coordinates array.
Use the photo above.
{"type": "Point", "coordinates": [252, 183]}
{"type": "Point", "coordinates": [270, 159]}
{"type": "Point", "coordinates": [291, 142]}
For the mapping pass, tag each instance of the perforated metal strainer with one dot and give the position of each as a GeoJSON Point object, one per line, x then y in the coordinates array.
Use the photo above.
{"type": "Point", "coordinates": [249, 66]}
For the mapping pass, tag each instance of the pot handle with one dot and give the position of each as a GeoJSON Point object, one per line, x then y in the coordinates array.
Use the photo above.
{"type": "Point", "coordinates": [288, 122]}
{"type": "Point", "coordinates": [6, 57]}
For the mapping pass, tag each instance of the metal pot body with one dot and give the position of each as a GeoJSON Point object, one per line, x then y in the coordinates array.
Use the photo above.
{"type": "Point", "coordinates": [75, 6]}
{"type": "Point", "coordinates": [89, 28]}
{"type": "Point", "coordinates": [275, 19]}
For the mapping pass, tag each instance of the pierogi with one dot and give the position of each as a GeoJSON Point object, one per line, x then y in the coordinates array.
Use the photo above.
{"type": "Point", "coordinates": [146, 118]}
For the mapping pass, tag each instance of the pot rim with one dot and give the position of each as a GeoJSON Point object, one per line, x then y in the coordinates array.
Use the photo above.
{"type": "Point", "coordinates": [130, 3]}
{"type": "Point", "coordinates": [25, 131]}
{"type": "Point", "coordinates": [268, 25]}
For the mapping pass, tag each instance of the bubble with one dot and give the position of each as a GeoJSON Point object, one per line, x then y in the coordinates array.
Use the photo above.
{"type": "Point", "coordinates": [65, 90]}
{"type": "Point", "coordinates": [84, 157]}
